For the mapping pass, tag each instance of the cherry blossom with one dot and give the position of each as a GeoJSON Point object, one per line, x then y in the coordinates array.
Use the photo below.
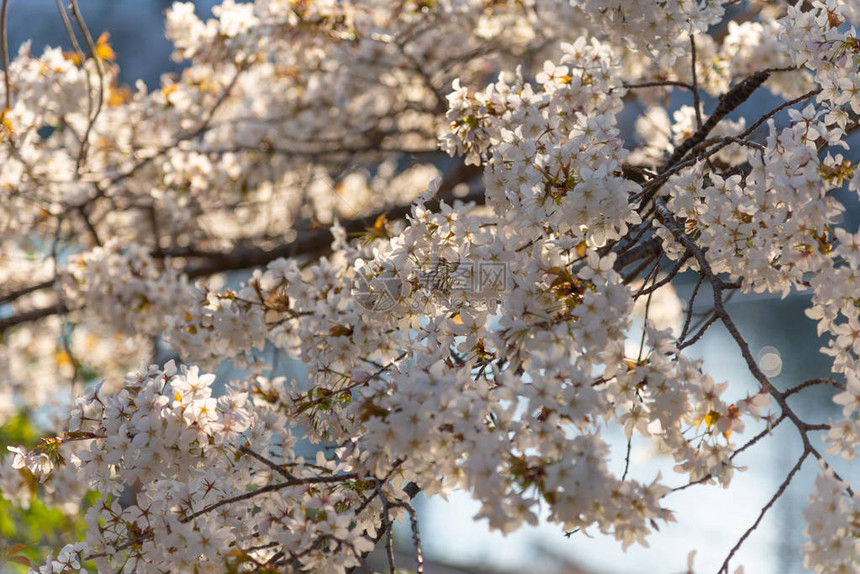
{"type": "Point", "coordinates": [455, 239]}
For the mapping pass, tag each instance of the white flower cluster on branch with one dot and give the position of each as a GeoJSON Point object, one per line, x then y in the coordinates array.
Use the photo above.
{"type": "Point", "coordinates": [452, 236]}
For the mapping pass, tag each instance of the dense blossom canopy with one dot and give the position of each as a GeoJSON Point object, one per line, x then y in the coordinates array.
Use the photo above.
{"type": "Point", "coordinates": [447, 226]}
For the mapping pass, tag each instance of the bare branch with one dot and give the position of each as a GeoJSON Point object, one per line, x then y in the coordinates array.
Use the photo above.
{"type": "Point", "coordinates": [749, 131]}
{"type": "Point", "coordinates": [14, 295]}
{"type": "Point", "coordinates": [690, 304]}
{"type": "Point", "coordinates": [32, 315]}
{"type": "Point", "coordinates": [4, 50]}
{"type": "Point", "coordinates": [659, 84]}
{"type": "Point", "coordinates": [730, 101]}
{"type": "Point", "coordinates": [697, 105]}
{"type": "Point", "coordinates": [277, 468]}
{"type": "Point", "coordinates": [416, 537]}
{"type": "Point", "coordinates": [779, 492]}
{"type": "Point", "coordinates": [813, 382]}
{"type": "Point", "coordinates": [94, 114]}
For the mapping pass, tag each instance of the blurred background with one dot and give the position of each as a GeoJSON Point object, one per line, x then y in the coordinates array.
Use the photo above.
{"type": "Point", "coordinates": [710, 519]}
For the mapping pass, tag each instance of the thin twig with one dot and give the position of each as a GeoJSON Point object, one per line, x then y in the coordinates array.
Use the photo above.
{"type": "Point", "coordinates": [416, 537]}
{"type": "Point", "coordinates": [660, 84]}
{"type": "Point", "coordinates": [652, 276]}
{"type": "Point", "coordinates": [699, 334]}
{"type": "Point", "coordinates": [627, 458]}
{"type": "Point", "coordinates": [4, 49]}
{"type": "Point", "coordinates": [779, 492]}
{"type": "Point", "coordinates": [813, 382]}
{"type": "Point", "coordinates": [749, 131]}
{"type": "Point", "coordinates": [79, 18]}
{"type": "Point", "coordinates": [696, 103]}
{"type": "Point", "coordinates": [749, 443]}
{"type": "Point", "coordinates": [91, 229]}
{"type": "Point", "coordinates": [277, 468]}
{"type": "Point", "coordinates": [386, 527]}
{"type": "Point", "coordinates": [64, 324]}
{"type": "Point", "coordinates": [729, 101]}
{"type": "Point", "coordinates": [672, 273]}
{"type": "Point", "coordinates": [768, 430]}
{"type": "Point", "coordinates": [690, 303]}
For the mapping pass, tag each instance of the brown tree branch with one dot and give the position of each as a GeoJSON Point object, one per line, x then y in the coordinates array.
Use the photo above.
{"type": "Point", "coordinates": [14, 295]}
{"type": "Point", "coordinates": [729, 101]}
{"type": "Point", "coordinates": [32, 315]}
{"type": "Point", "coordinates": [667, 218]}
{"type": "Point", "coordinates": [311, 242]}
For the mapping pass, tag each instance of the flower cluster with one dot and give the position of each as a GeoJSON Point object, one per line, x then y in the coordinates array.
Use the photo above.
{"type": "Point", "coordinates": [553, 149]}
{"type": "Point", "coordinates": [219, 327]}
{"type": "Point", "coordinates": [660, 29]}
{"type": "Point", "coordinates": [194, 457]}
{"type": "Point", "coordinates": [468, 321]}
{"type": "Point", "coordinates": [125, 289]}
{"type": "Point", "coordinates": [770, 226]}
{"type": "Point", "coordinates": [832, 516]}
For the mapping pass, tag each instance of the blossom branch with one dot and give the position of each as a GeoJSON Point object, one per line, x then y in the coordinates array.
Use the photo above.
{"type": "Point", "coordinates": [683, 343]}
{"type": "Point", "coordinates": [766, 432]}
{"type": "Point", "coordinates": [232, 500]}
{"type": "Point", "coordinates": [667, 218]}
{"type": "Point", "coordinates": [310, 242]}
